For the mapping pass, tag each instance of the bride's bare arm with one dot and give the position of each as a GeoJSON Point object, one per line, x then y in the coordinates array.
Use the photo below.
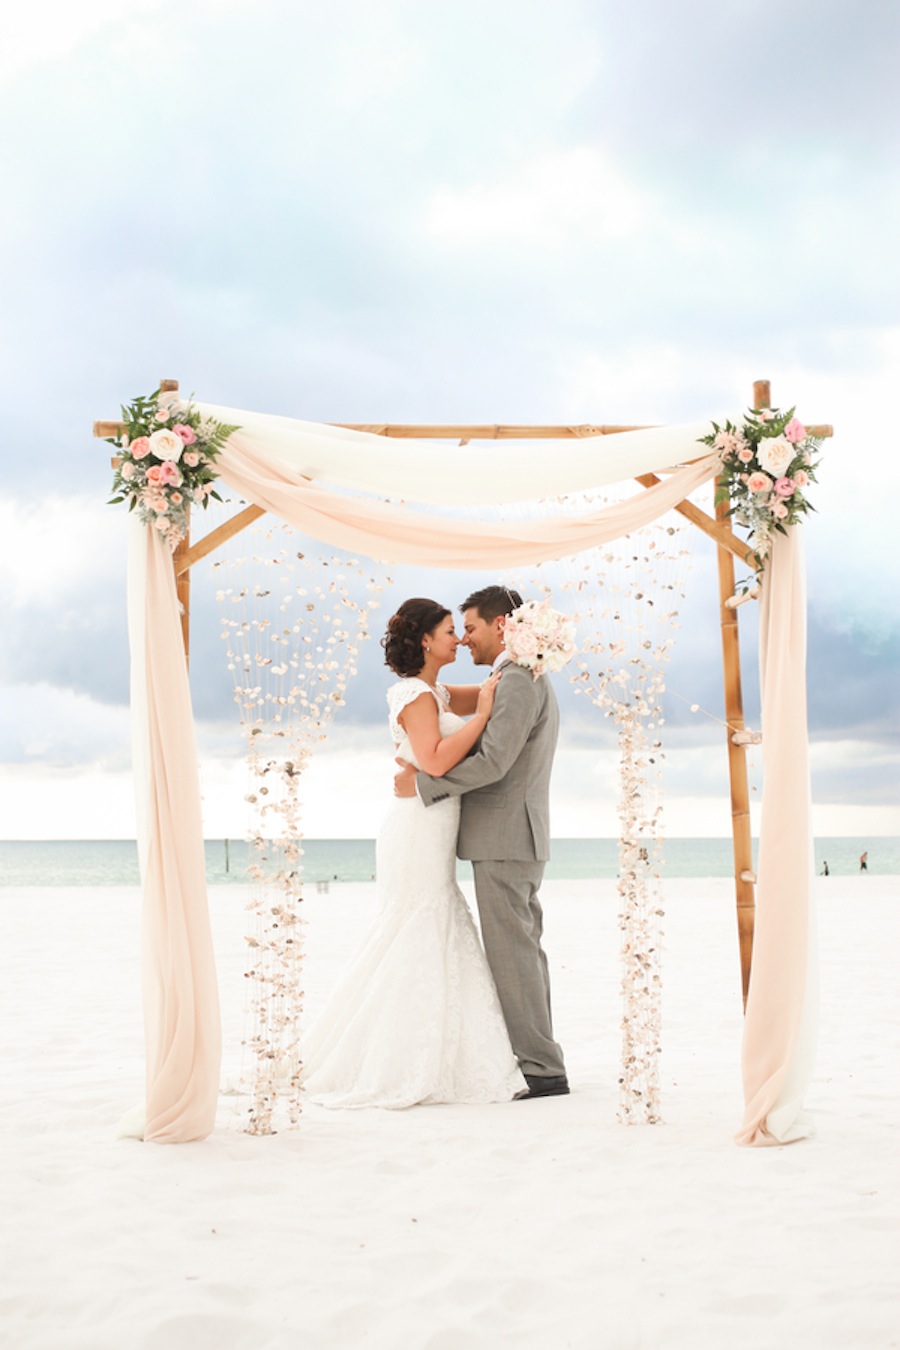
{"type": "Point", "coordinates": [438, 754]}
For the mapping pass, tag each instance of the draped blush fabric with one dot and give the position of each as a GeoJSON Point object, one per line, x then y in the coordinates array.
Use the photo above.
{"type": "Point", "coordinates": [780, 1021]}
{"type": "Point", "coordinates": [520, 471]}
{"type": "Point", "coordinates": [397, 534]}
{"type": "Point", "coordinates": [181, 1003]}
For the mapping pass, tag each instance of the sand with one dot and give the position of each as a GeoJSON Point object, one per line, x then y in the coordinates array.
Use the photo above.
{"type": "Point", "coordinates": [534, 1224]}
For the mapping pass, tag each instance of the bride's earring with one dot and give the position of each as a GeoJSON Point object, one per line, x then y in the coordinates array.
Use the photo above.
{"type": "Point", "coordinates": [427, 647]}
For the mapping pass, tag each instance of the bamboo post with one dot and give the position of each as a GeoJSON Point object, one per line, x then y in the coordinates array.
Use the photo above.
{"type": "Point", "coordinates": [737, 754]}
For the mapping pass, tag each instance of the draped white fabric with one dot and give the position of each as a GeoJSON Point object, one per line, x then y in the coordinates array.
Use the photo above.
{"type": "Point", "coordinates": [274, 472]}
{"type": "Point", "coordinates": [460, 475]}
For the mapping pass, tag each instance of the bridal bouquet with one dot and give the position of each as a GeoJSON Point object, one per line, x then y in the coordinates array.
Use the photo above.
{"type": "Point", "coordinates": [166, 462]}
{"type": "Point", "coordinates": [767, 465]}
{"type": "Point", "coordinates": [539, 638]}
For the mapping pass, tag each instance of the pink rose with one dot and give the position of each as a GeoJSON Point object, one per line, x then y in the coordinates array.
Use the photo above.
{"type": "Point", "coordinates": [170, 474]}
{"type": "Point", "coordinates": [779, 510]}
{"type": "Point", "coordinates": [784, 487]}
{"type": "Point", "coordinates": [745, 454]}
{"type": "Point", "coordinates": [176, 498]}
{"type": "Point", "coordinates": [128, 471]}
{"type": "Point", "coordinates": [795, 431]}
{"type": "Point", "coordinates": [801, 478]}
{"type": "Point", "coordinates": [759, 482]}
{"type": "Point", "coordinates": [162, 414]}
{"type": "Point", "coordinates": [154, 475]}
{"type": "Point", "coordinates": [166, 445]}
{"type": "Point", "coordinates": [161, 523]}
{"type": "Point", "coordinates": [190, 457]}
{"type": "Point", "coordinates": [139, 448]}
{"type": "Point", "coordinates": [186, 433]}
{"type": "Point", "coordinates": [154, 501]}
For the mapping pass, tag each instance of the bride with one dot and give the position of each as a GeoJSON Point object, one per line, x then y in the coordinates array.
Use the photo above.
{"type": "Point", "coordinates": [415, 1017]}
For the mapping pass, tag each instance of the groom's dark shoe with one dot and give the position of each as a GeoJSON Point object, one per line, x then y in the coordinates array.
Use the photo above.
{"type": "Point", "coordinates": [557, 1086]}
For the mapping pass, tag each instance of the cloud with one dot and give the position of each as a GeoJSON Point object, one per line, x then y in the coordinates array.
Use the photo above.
{"type": "Point", "coordinates": [399, 212]}
{"type": "Point", "coordinates": [62, 572]}
{"type": "Point", "coordinates": [62, 730]}
{"type": "Point", "coordinates": [567, 198]}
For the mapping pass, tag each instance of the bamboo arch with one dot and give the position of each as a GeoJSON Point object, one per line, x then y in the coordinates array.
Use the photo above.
{"type": "Point", "coordinates": [716, 527]}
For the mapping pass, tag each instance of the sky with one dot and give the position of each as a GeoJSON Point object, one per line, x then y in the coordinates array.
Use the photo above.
{"type": "Point", "coordinates": [577, 212]}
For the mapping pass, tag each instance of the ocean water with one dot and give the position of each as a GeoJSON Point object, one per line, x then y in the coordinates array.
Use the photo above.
{"type": "Point", "coordinates": [114, 862]}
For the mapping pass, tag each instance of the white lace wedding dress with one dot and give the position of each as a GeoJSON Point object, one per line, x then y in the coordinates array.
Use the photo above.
{"type": "Point", "coordinates": [415, 1017]}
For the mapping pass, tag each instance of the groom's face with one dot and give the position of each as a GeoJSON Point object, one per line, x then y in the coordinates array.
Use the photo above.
{"type": "Point", "coordinates": [484, 638]}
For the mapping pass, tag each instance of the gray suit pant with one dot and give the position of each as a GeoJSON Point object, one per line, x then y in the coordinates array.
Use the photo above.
{"type": "Point", "coordinates": [511, 925]}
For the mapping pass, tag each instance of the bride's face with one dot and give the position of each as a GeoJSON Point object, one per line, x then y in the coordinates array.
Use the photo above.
{"type": "Point", "coordinates": [442, 641]}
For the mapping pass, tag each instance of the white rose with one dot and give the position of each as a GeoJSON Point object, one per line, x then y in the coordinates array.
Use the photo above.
{"type": "Point", "coordinates": [166, 445]}
{"type": "Point", "coordinates": [775, 454]}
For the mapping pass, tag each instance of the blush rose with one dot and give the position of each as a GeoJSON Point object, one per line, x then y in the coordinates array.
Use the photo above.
{"type": "Point", "coordinates": [759, 482]}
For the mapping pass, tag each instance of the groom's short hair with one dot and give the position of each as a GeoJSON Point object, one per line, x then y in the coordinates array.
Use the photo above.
{"type": "Point", "coordinates": [491, 602]}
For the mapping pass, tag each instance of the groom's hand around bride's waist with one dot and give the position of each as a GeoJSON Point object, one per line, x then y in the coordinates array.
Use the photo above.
{"type": "Point", "coordinates": [405, 780]}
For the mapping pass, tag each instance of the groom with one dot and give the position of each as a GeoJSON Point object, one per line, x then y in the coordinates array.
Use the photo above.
{"type": "Point", "coordinates": [504, 828]}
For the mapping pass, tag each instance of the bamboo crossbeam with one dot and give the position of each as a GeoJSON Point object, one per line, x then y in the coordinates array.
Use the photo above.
{"type": "Point", "coordinates": [218, 536]}
{"type": "Point", "coordinates": [486, 431]}
{"type": "Point", "coordinates": [715, 529]}
{"type": "Point", "coordinates": [513, 432]}
{"type": "Point", "coordinates": [475, 432]}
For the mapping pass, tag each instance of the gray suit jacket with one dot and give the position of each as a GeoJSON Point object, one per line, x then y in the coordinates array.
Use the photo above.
{"type": "Point", "coordinates": [505, 781]}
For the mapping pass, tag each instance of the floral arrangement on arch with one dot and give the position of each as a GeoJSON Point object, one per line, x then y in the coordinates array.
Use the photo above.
{"type": "Point", "coordinates": [767, 465]}
{"type": "Point", "coordinates": [539, 637]}
{"type": "Point", "coordinates": [167, 461]}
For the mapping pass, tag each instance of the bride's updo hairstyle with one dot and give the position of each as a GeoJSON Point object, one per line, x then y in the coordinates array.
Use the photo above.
{"type": "Point", "coordinates": [402, 642]}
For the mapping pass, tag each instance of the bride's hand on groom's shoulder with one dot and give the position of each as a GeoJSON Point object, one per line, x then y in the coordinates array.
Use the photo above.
{"type": "Point", "coordinates": [486, 694]}
{"type": "Point", "coordinates": [405, 779]}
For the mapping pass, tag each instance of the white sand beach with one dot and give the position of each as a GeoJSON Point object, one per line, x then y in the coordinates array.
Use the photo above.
{"type": "Point", "coordinates": [539, 1224]}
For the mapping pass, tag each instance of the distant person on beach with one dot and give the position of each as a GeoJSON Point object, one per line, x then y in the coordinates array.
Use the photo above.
{"type": "Point", "coordinates": [864, 862]}
{"type": "Point", "coordinates": [825, 871]}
